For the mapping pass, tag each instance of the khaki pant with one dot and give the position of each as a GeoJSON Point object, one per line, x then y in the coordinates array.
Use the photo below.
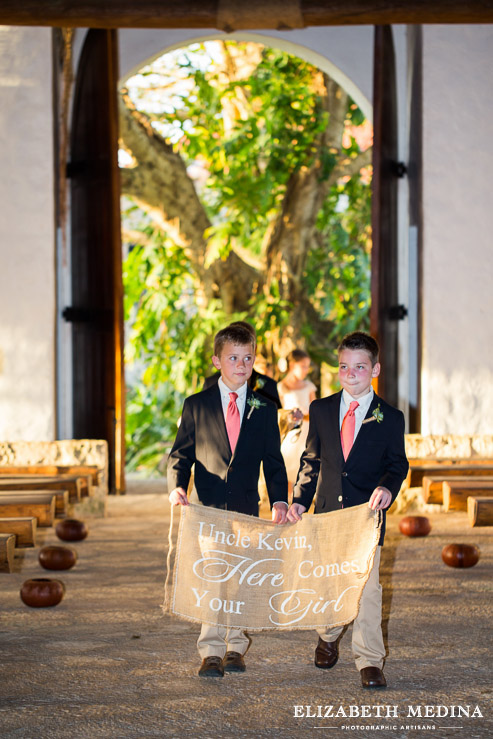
{"type": "Point", "coordinates": [215, 641]}
{"type": "Point", "coordinates": [368, 647]}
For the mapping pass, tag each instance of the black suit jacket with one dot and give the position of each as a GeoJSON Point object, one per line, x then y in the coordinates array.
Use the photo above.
{"type": "Point", "coordinates": [261, 384]}
{"type": "Point", "coordinates": [223, 479]}
{"type": "Point", "coordinates": [377, 457]}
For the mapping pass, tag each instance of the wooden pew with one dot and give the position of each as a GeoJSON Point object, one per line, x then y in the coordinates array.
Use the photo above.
{"type": "Point", "coordinates": [455, 494]}
{"type": "Point", "coordinates": [43, 482]}
{"type": "Point", "coordinates": [39, 505]}
{"type": "Point", "coordinates": [432, 486]}
{"type": "Point", "coordinates": [7, 552]}
{"type": "Point", "coordinates": [23, 528]}
{"type": "Point", "coordinates": [480, 511]}
{"type": "Point", "coordinates": [61, 497]}
{"type": "Point", "coordinates": [419, 468]}
{"type": "Point", "coordinates": [82, 470]}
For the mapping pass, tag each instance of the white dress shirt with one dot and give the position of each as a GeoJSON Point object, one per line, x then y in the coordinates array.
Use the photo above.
{"type": "Point", "coordinates": [359, 413]}
{"type": "Point", "coordinates": [240, 400]}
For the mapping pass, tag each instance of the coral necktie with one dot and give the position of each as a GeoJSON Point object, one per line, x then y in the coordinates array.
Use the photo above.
{"type": "Point", "coordinates": [233, 421]}
{"type": "Point", "coordinates": [347, 429]}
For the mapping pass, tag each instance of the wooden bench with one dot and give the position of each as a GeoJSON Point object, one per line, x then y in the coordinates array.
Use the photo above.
{"type": "Point", "coordinates": [71, 483]}
{"type": "Point", "coordinates": [456, 493]}
{"type": "Point", "coordinates": [23, 528]}
{"type": "Point", "coordinates": [39, 505]}
{"type": "Point", "coordinates": [61, 497]}
{"type": "Point", "coordinates": [89, 473]}
{"type": "Point", "coordinates": [432, 486]}
{"type": "Point", "coordinates": [480, 511]}
{"type": "Point", "coordinates": [7, 552]}
{"type": "Point", "coordinates": [419, 468]}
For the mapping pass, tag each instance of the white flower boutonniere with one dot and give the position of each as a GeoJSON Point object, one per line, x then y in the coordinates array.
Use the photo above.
{"type": "Point", "coordinates": [377, 416]}
{"type": "Point", "coordinates": [253, 403]}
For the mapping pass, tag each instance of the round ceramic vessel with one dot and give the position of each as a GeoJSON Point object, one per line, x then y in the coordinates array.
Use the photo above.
{"type": "Point", "coordinates": [42, 592]}
{"type": "Point", "coordinates": [57, 558]}
{"type": "Point", "coordinates": [415, 526]}
{"type": "Point", "coordinates": [460, 555]}
{"type": "Point", "coordinates": [70, 529]}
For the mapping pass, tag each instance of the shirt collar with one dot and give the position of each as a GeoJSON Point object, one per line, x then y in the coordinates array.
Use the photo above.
{"type": "Point", "coordinates": [364, 401]}
{"type": "Point", "coordinates": [241, 392]}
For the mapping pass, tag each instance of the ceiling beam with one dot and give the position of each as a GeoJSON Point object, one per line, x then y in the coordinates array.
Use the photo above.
{"type": "Point", "coordinates": [218, 13]}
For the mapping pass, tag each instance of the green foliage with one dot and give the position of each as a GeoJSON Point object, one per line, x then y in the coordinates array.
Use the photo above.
{"type": "Point", "coordinates": [276, 115]}
{"type": "Point", "coordinates": [341, 259]}
{"type": "Point", "coordinates": [169, 344]}
{"type": "Point", "coordinates": [247, 137]}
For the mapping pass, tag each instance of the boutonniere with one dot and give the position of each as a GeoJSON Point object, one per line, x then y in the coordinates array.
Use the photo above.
{"type": "Point", "coordinates": [377, 416]}
{"type": "Point", "coordinates": [259, 383]}
{"type": "Point", "coordinates": [253, 403]}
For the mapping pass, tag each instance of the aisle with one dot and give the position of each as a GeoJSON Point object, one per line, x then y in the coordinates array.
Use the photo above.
{"type": "Point", "coordinates": [107, 663]}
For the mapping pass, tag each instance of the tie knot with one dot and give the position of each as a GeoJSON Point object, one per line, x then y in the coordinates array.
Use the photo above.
{"type": "Point", "coordinates": [233, 396]}
{"type": "Point", "coordinates": [353, 405]}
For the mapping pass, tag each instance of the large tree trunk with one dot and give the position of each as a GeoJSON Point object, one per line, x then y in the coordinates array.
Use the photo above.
{"type": "Point", "coordinates": [160, 184]}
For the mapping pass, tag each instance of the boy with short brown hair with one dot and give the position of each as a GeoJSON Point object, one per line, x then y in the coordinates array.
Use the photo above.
{"type": "Point", "coordinates": [354, 454]}
{"type": "Point", "coordinates": [227, 431]}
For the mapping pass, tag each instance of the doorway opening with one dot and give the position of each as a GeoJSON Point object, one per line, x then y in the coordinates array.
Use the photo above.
{"type": "Point", "coordinates": [246, 195]}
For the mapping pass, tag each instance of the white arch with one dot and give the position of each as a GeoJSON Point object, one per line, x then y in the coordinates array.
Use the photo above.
{"type": "Point", "coordinates": [350, 64]}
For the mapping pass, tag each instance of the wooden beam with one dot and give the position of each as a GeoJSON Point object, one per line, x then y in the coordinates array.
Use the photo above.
{"type": "Point", "coordinates": [7, 552]}
{"type": "Point", "coordinates": [433, 485]}
{"type": "Point", "coordinates": [52, 470]}
{"type": "Point", "coordinates": [42, 507]}
{"type": "Point", "coordinates": [71, 483]}
{"type": "Point", "coordinates": [435, 467]}
{"type": "Point", "coordinates": [455, 495]}
{"type": "Point", "coordinates": [480, 511]}
{"type": "Point", "coordinates": [61, 497]}
{"type": "Point", "coordinates": [23, 528]}
{"type": "Point", "coordinates": [205, 13]}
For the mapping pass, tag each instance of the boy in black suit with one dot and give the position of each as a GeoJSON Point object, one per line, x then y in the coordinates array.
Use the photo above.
{"type": "Point", "coordinates": [354, 454]}
{"type": "Point", "coordinates": [227, 431]}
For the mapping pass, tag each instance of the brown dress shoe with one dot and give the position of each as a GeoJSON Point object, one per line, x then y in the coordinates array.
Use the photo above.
{"type": "Point", "coordinates": [234, 662]}
{"type": "Point", "coordinates": [372, 677]}
{"type": "Point", "coordinates": [211, 667]}
{"type": "Point", "coordinates": [326, 654]}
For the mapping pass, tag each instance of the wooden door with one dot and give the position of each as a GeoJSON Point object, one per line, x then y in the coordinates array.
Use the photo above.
{"type": "Point", "coordinates": [96, 312]}
{"type": "Point", "coordinates": [385, 311]}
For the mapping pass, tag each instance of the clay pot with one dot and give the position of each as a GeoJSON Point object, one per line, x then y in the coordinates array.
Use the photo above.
{"type": "Point", "coordinates": [460, 555]}
{"type": "Point", "coordinates": [41, 592]}
{"type": "Point", "coordinates": [57, 558]}
{"type": "Point", "coordinates": [69, 529]}
{"type": "Point", "coordinates": [415, 526]}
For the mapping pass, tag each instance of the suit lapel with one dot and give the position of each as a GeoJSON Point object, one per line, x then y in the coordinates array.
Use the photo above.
{"type": "Point", "coordinates": [217, 416]}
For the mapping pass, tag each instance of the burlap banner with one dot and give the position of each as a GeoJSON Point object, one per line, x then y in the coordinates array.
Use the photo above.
{"type": "Point", "coordinates": [237, 570]}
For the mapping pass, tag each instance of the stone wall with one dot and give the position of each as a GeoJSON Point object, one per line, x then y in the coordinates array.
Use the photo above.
{"type": "Point", "coordinates": [64, 452]}
{"type": "Point", "coordinates": [449, 446]}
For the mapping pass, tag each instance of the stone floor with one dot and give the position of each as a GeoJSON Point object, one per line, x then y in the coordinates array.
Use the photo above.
{"type": "Point", "coordinates": [107, 663]}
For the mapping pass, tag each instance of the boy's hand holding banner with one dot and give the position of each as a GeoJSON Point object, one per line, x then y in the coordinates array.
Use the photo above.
{"type": "Point", "coordinates": [237, 570]}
